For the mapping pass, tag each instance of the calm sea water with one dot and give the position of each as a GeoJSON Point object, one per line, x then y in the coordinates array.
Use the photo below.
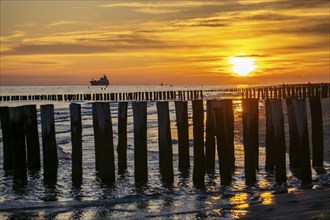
{"type": "Point", "coordinates": [124, 199]}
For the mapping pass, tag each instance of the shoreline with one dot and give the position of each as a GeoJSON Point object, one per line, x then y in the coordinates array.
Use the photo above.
{"type": "Point", "coordinates": [297, 204]}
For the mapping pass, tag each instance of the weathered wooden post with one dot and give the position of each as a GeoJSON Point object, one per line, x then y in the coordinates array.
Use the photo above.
{"type": "Point", "coordinates": [50, 159]}
{"type": "Point", "coordinates": [250, 139]}
{"type": "Point", "coordinates": [32, 138]}
{"type": "Point", "coordinates": [210, 138]}
{"type": "Point", "coordinates": [140, 142]}
{"type": "Point", "coordinates": [122, 136]}
{"type": "Point", "coordinates": [317, 130]}
{"type": "Point", "coordinates": [105, 136]}
{"type": "Point", "coordinates": [222, 144]}
{"type": "Point", "coordinates": [198, 131]}
{"type": "Point", "coordinates": [270, 163]}
{"type": "Point", "coordinates": [229, 130]}
{"type": "Point", "coordinates": [76, 137]}
{"type": "Point", "coordinates": [16, 117]}
{"type": "Point", "coordinates": [7, 138]}
{"type": "Point", "coordinates": [96, 138]}
{"type": "Point", "coordinates": [181, 111]}
{"type": "Point", "coordinates": [293, 148]}
{"type": "Point", "coordinates": [278, 140]}
{"type": "Point", "coordinates": [165, 143]}
{"type": "Point", "coordinates": [299, 107]}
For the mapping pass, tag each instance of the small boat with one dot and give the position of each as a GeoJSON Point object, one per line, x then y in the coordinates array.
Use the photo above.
{"type": "Point", "coordinates": [103, 81]}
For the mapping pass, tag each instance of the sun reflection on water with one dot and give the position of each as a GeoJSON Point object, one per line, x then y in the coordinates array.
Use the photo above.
{"type": "Point", "coordinates": [240, 202]}
{"type": "Point", "coordinates": [266, 198]}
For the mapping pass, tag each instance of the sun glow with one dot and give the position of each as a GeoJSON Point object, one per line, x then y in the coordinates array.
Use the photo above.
{"type": "Point", "coordinates": [242, 65]}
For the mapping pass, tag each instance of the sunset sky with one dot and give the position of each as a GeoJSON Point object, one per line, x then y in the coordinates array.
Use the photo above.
{"type": "Point", "coordinates": [173, 42]}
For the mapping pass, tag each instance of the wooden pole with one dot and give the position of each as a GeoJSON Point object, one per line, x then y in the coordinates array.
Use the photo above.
{"type": "Point", "coordinates": [165, 142]}
{"type": "Point", "coordinates": [222, 145]}
{"type": "Point", "coordinates": [105, 135]}
{"type": "Point", "coordinates": [7, 138]}
{"type": "Point", "coordinates": [293, 147]}
{"type": "Point", "coordinates": [122, 136]}
{"type": "Point", "coordinates": [32, 137]}
{"type": "Point", "coordinates": [270, 163]}
{"type": "Point", "coordinates": [140, 142]}
{"type": "Point", "coordinates": [16, 116]}
{"type": "Point", "coordinates": [181, 110]}
{"type": "Point", "coordinates": [300, 111]}
{"type": "Point", "coordinates": [198, 131]}
{"type": "Point", "coordinates": [250, 139]}
{"type": "Point", "coordinates": [210, 138]}
{"type": "Point", "coordinates": [50, 158]}
{"type": "Point", "coordinates": [96, 138]}
{"type": "Point", "coordinates": [229, 130]}
{"type": "Point", "coordinates": [76, 137]}
{"type": "Point", "coordinates": [278, 140]}
{"type": "Point", "coordinates": [317, 130]}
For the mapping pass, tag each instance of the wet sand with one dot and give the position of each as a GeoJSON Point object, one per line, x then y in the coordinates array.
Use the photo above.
{"type": "Point", "coordinates": [297, 204]}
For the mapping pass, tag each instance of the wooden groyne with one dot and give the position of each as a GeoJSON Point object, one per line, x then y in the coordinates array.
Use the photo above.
{"type": "Point", "coordinates": [16, 128]}
{"type": "Point", "coordinates": [261, 92]}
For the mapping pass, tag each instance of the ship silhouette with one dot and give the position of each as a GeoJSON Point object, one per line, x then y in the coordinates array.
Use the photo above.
{"type": "Point", "coordinates": [103, 81]}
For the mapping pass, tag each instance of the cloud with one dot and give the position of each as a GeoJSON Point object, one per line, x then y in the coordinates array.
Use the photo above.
{"type": "Point", "coordinates": [61, 23]}
{"type": "Point", "coordinates": [156, 11]}
{"type": "Point", "coordinates": [164, 4]}
{"type": "Point", "coordinates": [85, 44]}
{"type": "Point", "coordinates": [206, 22]}
{"type": "Point", "coordinates": [16, 34]}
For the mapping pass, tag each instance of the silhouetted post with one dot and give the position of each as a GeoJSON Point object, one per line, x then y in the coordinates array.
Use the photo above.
{"type": "Point", "coordinates": [299, 107]}
{"type": "Point", "coordinates": [105, 135]}
{"type": "Point", "coordinates": [32, 138]}
{"type": "Point", "coordinates": [181, 110]}
{"type": "Point", "coordinates": [270, 163]}
{"type": "Point", "coordinates": [76, 137]}
{"type": "Point", "coordinates": [293, 148]}
{"type": "Point", "coordinates": [122, 136]}
{"type": "Point", "coordinates": [317, 130]}
{"type": "Point", "coordinates": [284, 94]}
{"type": "Point", "coordinates": [198, 131]}
{"type": "Point", "coordinates": [222, 145]}
{"type": "Point", "coordinates": [50, 159]}
{"type": "Point", "coordinates": [140, 142]}
{"type": "Point", "coordinates": [210, 138]}
{"type": "Point", "coordinates": [96, 138]}
{"type": "Point", "coordinates": [165, 142]}
{"type": "Point", "coordinates": [324, 90]}
{"type": "Point", "coordinates": [7, 138]}
{"type": "Point", "coordinates": [16, 116]}
{"type": "Point", "coordinates": [278, 140]}
{"type": "Point", "coordinates": [229, 130]}
{"type": "Point", "coordinates": [250, 139]}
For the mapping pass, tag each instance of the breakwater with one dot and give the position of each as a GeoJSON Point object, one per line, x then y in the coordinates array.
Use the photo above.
{"type": "Point", "coordinates": [260, 92]}
{"type": "Point", "coordinates": [21, 144]}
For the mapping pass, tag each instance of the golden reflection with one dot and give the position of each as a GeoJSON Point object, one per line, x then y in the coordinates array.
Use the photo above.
{"type": "Point", "coordinates": [241, 205]}
{"type": "Point", "coordinates": [266, 198]}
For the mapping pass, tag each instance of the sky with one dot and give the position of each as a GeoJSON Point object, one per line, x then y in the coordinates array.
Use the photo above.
{"type": "Point", "coordinates": [171, 42]}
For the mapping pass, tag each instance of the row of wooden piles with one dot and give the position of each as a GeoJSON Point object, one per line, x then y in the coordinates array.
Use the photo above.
{"type": "Point", "coordinates": [286, 91]}
{"type": "Point", "coordinates": [21, 141]}
{"type": "Point", "coordinates": [129, 96]}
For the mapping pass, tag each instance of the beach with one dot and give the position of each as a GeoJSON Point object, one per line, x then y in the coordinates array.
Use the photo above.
{"type": "Point", "coordinates": [155, 200]}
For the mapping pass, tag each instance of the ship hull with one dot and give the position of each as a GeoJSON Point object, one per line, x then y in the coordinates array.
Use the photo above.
{"type": "Point", "coordinates": [96, 83]}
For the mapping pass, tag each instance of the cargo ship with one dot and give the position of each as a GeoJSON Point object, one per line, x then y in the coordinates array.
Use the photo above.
{"type": "Point", "coordinates": [103, 81]}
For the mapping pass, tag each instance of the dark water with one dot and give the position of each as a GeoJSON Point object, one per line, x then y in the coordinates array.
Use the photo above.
{"type": "Point", "coordinates": [124, 199]}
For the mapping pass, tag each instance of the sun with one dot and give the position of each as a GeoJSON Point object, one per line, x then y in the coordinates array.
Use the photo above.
{"type": "Point", "coordinates": [242, 65]}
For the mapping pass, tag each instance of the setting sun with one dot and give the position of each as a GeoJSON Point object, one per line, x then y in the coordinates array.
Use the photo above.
{"type": "Point", "coordinates": [242, 65]}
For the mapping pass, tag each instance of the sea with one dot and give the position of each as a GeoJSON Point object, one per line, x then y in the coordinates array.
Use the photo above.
{"type": "Point", "coordinates": [154, 200]}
